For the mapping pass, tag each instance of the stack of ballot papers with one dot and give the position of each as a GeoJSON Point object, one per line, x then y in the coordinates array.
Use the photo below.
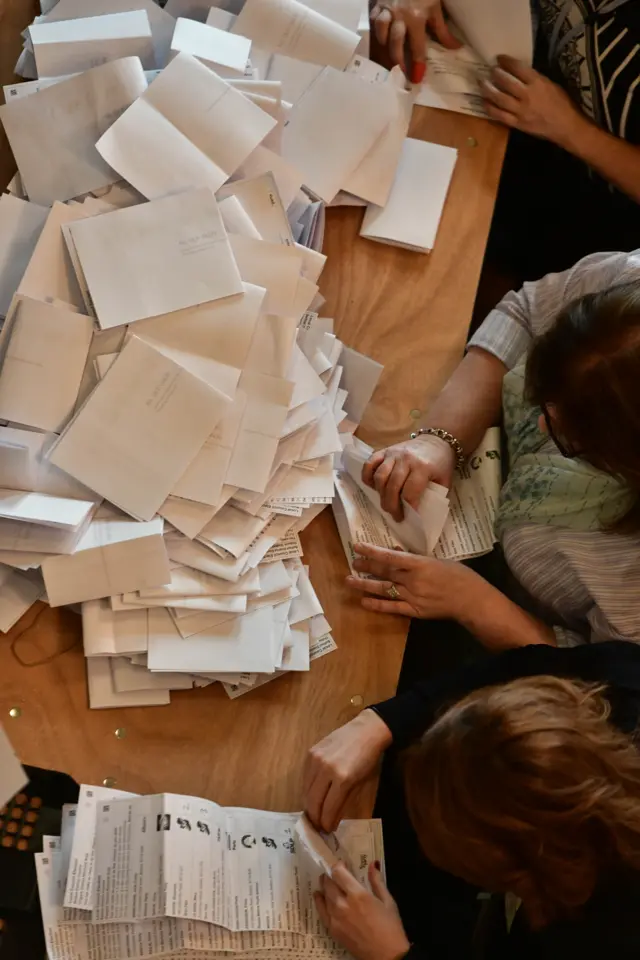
{"type": "Point", "coordinates": [125, 879]}
{"type": "Point", "coordinates": [454, 524]}
{"type": "Point", "coordinates": [487, 30]}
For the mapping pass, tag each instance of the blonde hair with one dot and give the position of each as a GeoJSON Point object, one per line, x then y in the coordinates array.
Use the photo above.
{"type": "Point", "coordinates": [527, 787]}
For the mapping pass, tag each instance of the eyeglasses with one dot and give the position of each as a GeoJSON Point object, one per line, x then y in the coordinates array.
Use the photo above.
{"type": "Point", "coordinates": [569, 452]}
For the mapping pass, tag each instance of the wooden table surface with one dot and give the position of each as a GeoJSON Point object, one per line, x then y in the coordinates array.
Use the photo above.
{"type": "Point", "coordinates": [410, 312]}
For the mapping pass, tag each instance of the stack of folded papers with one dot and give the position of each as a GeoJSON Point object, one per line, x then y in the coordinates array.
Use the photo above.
{"type": "Point", "coordinates": [454, 524]}
{"type": "Point", "coordinates": [171, 401]}
{"type": "Point", "coordinates": [125, 879]}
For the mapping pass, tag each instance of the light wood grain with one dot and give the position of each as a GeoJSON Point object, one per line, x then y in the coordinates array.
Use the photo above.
{"type": "Point", "coordinates": [410, 312]}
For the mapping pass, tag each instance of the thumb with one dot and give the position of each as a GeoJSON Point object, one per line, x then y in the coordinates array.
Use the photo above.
{"type": "Point", "coordinates": [378, 885]}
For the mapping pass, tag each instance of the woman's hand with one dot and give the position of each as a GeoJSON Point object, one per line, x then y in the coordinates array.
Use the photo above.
{"type": "Point", "coordinates": [520, 97]}
{"type": "Point", "coordinates": [396, 21]}
{"type": "Point", "coordinates": [336, 765]}
{"type": "Point", "coordinates": [368, 925]}
{"type": "Point", "coordinates": [426, 588]}
{"type": "Point", "coordinates": [404, 470]}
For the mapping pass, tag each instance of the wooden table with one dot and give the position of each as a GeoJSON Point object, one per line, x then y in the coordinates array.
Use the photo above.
{"type": "Point", "coordinates": [409, 311]}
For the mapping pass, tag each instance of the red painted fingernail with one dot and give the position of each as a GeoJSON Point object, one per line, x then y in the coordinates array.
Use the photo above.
{"type": "Point", "coordinates": [418, 71]}
{"type": "Point", "coordinates": [377, 865]}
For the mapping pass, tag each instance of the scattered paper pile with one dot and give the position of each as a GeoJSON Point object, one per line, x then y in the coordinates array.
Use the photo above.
{"type": "Point", "coordinates": [282, 87]}
{"type": "Point", "coordinates": [454, 524]}
{"type": "Point", "coordinates": [125, 879]}
{"type": "Point", "coordinates": [171, 400]}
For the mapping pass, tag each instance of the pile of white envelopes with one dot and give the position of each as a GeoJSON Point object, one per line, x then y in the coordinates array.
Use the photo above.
{"type": "Point", "coordinates": [171, 400]}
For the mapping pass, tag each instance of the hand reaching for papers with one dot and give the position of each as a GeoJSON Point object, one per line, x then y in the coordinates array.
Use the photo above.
{"type": "Point", "coordinates": [398, 21]}
{"type": "Point", "coordinates": [520, 97]}
{"type": "Point", "coordinates": [367, 924]}
{"type": "Point", "coordinates": [424, 587]}
{"type": "Point", "coordinates": [403, 471]}
{"type": "Point", "coordinates": [338, 764]}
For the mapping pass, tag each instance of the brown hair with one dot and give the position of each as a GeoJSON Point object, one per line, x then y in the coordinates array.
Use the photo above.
{"type": "Point", "coordinates": [528, 788]}
{"type": "Point", "coordinates": [588, 365]}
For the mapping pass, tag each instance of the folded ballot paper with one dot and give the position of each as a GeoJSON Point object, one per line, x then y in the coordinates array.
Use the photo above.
{"type": "Point", "coordinates": [124, 879]}
{"type": "Point", "coordinates": [454, 524]}
{"type": "Point", "coordinates": [452, 80]}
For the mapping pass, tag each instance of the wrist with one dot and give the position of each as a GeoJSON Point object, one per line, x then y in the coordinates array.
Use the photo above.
{"type": "Point", "coordinates": [377, 732]}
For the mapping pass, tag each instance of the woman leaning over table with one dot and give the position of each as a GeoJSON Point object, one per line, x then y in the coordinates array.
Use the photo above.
{"type": "Point", "coordinates": [562, 359]}
{"type": "Point", "coordinates": [521, 787]}
{"type": "Point", "coordinates": [571, 179]}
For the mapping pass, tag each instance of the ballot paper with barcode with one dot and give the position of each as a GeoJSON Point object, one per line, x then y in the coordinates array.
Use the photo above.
{"type": "Point", "coordinates": [135, 859]}
{"type": "Point", "coordinates": [468, 530]}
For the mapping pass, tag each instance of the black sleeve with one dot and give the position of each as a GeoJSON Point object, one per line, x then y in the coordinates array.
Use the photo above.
{"type": "Point", "coordinates": [615, 663]}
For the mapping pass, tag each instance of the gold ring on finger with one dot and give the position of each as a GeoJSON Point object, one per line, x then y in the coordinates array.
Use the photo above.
{"type": "Point", "coordinates": [392, 592]}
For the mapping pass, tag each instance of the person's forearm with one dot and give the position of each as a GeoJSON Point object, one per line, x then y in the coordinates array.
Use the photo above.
{"type": "Point", "coordinates": [498, 623]}
{"type": "Point", "coordinates": [471, 400]}
{"type": "Point", "coordinates": [613, 158]}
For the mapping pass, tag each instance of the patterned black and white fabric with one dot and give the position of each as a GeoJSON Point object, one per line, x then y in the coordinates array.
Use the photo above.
{"type": "Point", "coordinates": [594, 47]}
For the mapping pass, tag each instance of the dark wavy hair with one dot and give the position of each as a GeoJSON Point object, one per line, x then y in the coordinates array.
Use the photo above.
{"type": "Point", "coordinates": [587, 365]}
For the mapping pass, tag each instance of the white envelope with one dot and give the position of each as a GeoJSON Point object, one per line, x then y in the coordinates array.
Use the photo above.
{"type": "Point", "coordinates": [63, 123]}
{"type": "Point", "coordinates": [198, 556]}
{"type": "Point", "coordinates": [42, 364]}
{"type": "Point", "coordinates": [109, 634]}
{"type": "Point", "coordinates": [274, 267]}
{"type": "Point", "coordinates": [261, 202]}
{"type": "Point", "coordinates": [50, 275]}
{"type": "Point", "coordinates": [12, 776]}
{"type": "Point", "coordinates": [224, 53]}
{"type": "Point", "coordinates": [138, 431]}
{"type": "Point", "coordinates": [181, 257]}
{"type": "Point", "coordinates": [291, 28]}
{"type": "Point", "coordinates": [413, 210]}
{"type": "Point", "coordinates": [103, 694]}
{"type": "Point", "coordinates": [104, 565]}
{"type": "Point", "coordinates": [241, 644]}
{"type": "Point", "coordinates": [499, 27]}
{"type": "Point", "coordinates": [222, 19]}
{"type": "Point", "coordinates": [128, 678]}
{"type": "Point", "coordinates": [373, 177]}
{"type": "Point", "coordinates": [187, 516]}
{"type": "Point", "coordinates": [333, 126]}
{"type": "Point", "coordinates": [21, 224]}
{"type": "Point", "coordinates": [24, 465]}
{"type": "Point", "coordinates": [18, 593]}
{"type": "Point", "coordinates": [160, 21]}
{"type": "Point", "coordinates": [58, 512]}
{"type": "Point", "coordinates": [197, 128]}
{"type": "Point", "coordinates": [287, 177]}
{"type": "Point", "coordinates": [71, 46]}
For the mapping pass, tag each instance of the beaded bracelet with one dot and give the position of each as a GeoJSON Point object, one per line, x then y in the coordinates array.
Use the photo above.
{"type": "Point", "coordinates": [455, 445]}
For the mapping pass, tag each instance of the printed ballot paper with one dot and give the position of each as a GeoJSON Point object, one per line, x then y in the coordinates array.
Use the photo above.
{"type": "Point", "coordinates": [63, 123]}
{"type": "Point", "coordinates": [167, 843]}
{"type": "Point", "coordinates": [411, 216]}
{"type": "Point", "coordinates": [139, 430]}
{"type": "Point", "coordinates": [62, 47]}
{"type": "Point", "coordinates": [181, 258]}
{"type": "Point", "coordinates": [451, 525]}
{"type": "Point", "coordinates": [197, 128]}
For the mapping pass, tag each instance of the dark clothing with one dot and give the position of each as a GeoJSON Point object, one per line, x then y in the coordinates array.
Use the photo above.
{"type": "Point", "coordinates": [442, 913]}
{"type": "Point", "coordinates": [551, 209]}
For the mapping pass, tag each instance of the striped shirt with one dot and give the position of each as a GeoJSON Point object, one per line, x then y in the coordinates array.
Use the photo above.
{"type": "Point", "coordinates": [585, 584]}
{"type": "Point", "coordinates": [593, 48]}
